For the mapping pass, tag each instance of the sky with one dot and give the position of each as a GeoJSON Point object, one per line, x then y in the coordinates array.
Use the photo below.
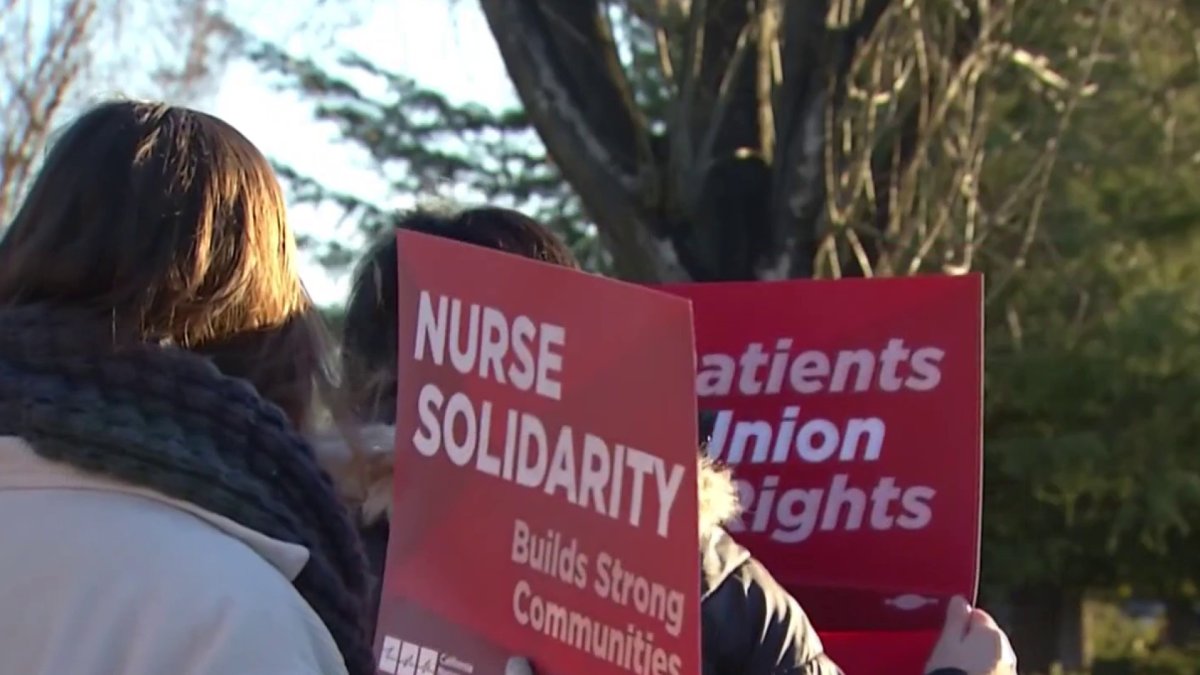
{"type": "Point", "coordinates": [443, 44]}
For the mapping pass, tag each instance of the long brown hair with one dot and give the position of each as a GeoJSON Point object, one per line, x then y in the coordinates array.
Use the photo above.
{"type": "Point", "coordinates": [171, 224]}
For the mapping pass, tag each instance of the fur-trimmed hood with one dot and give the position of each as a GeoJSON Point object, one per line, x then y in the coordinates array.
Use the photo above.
{"type": "Point", "coordinates": [364, 477]}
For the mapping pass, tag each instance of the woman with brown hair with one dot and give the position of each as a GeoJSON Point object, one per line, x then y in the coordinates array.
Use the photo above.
{"type": "Point", "coordinates": [159, 511]}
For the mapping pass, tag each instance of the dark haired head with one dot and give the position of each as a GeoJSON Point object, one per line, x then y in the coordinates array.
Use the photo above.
{"type": "Point", "coordinates": [170, 224]}
{"type": "Point", "coordinates": [370, 332]}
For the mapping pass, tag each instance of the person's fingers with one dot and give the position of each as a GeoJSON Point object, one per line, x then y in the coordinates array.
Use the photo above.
{"type": "Point", "coordinates": [958, 614]}
{"type": "Point", "coordinates": [987, 631]}
{"type": "Point", "coordinates": [982, 619]}
{"type": "Point", "coordinates": [1008, 655]}
{"type": "Point", "coordinates": [517, 665]}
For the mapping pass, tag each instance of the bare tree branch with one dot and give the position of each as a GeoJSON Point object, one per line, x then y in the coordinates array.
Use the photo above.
{"type": "Point", "coordinates": [40, 67]}
{"type": "Point", "coordinates": [803, 67]}
{"type": "Point", "coordinates": [1050, 156]}
{"type": "Point", "coordinates": [907, 147]}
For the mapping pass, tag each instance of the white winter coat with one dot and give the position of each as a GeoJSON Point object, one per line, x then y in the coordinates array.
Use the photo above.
{"type": "Point", "coordinates": [100, 578]}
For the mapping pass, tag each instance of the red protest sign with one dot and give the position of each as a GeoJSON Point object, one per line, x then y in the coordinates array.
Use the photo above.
{"type": "Point", "coordinates": [545, 471]}
{"type": "Point", "coordinates": [851, 413]}
{"type": "Point", "coordinates": [904, 652]}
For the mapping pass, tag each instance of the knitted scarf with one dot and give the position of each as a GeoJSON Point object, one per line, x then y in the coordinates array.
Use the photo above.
{"type": "Point", "coordinates": [166, 419]}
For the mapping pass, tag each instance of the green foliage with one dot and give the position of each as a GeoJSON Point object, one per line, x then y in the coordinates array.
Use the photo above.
{"type": "Point", "coordinates": [424, 144]}
{"type": "Point", "coordinates": [1118, 637]}
{"type": "Point", "coordinates": [1094, 349]}
{"type": "Point", "coordinates": [1155, 662]}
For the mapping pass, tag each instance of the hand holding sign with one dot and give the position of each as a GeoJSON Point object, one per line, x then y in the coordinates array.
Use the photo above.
{"type": "Point", "coordinates": [972, 642]}
{"type": "Point", "coordinates": [851, 414]}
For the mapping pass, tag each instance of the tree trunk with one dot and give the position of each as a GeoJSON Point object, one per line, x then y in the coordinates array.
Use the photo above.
{"type": "Point", "coordinates": [1047, 628]}
{"type": "Point", "coordinates": [1183, 624]}
{"type": "Point", "coordinates": [733, 188]}
{"type": "Point", "coordinates": [562, 59]}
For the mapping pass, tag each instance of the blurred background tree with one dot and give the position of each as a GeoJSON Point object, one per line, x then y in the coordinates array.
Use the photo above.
{"type": "Point", "coordinates": [1092, 353]}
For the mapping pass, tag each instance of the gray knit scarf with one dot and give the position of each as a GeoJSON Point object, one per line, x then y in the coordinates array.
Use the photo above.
{"type": "Point", "coordinates": [166, 419]}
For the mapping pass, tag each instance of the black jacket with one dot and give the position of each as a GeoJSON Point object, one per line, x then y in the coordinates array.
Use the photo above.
{"type": "Point", "coordinates": [749, 624]}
